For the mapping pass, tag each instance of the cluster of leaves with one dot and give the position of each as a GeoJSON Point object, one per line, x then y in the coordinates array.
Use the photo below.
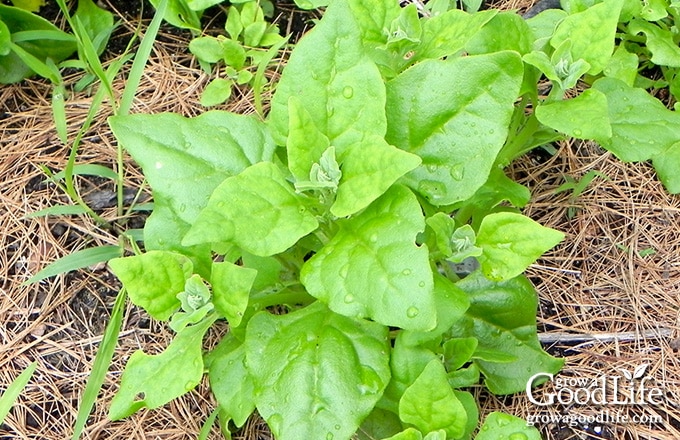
{"type": "Point", "coordinates": [31, 45]}
{"type": "Point", "coordinates": [377, 172]}
{"type": "Point", "coordinates": [248, 32]}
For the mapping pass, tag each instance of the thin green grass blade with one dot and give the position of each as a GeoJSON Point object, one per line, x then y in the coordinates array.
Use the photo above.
{"type": "Point", "coordinates": [15, 388]}
{"type": "Point", "coordinates": [102, 362]}
{"type": "Point", "coordinates": [58, 210]}
{"type": "Point", "coordinates": [259, 79]}
{"type": "Point", "coordinates": [209, 422]}
{"type": "Point", "coordinates": [77, 260]}
{"type": "Point", "coordinates": [59, 112]}
{"type": "Point", "coordinates": [87, 170]}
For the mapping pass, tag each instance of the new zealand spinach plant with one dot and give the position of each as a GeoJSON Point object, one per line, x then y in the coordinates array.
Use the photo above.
{"type": "Point", "coordinates": [379, 167]}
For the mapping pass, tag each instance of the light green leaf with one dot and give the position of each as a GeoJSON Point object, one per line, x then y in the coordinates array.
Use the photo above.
{"type": "Point", "coordinates": [5, 39]}
{"type": "Point", "coordinates": [332, 368]}
{"type": "Point", "coordinates": [592, 34]}
{"type": "Point", "coordinates": [505, 31]}
{"type": "Point", "coordinates": [234, 54]}
{"type": "Point", "coordinates": [55, 44]}
{"type": "Point", "coordinates": [14, 389]}
{"type": "Point", "coordinates": [372, 267]}
{"type": "Point", "coordinates": [184, 160]}
{"type": "Point", "coordinates": [153, 280]}
{"type": "Point", "coordinates": [458, 351]}
{"type": "Point", "coordinates": [230, 381]}
{"type": "Point", "coordinates": [464, 377]}
{"type": "Point", "coordinates": [195, 295]}
{"type": "Point", "coordinates": [200, 5]}
{"type": "Point", "coordinates": [180, 15]}
{"type": "Point", "coordinates": [438, 233]}
{"type": "Point", "coordinates": [667, 166]}
{"type": "Point", "coordinates": [463, 244]}
{"type": "Point", "coordinates": [470, 404]}
{"type": "Point", "coordinates": [216, 92]}
{"type": "Point", "coordinates": [209, 49]}
{"type": "Point", "coordinates": [231, 289]}
{"type": "Point", "coordinates": [29, 5]}
{"type": "Point", "coordinates": [447, 34]}
{"type": "Point", "coordinates": [661, 42]}
{"type": "Point", "coordinates": [97, 23]}
{"type": "Point", "coordinates": [583, 117]}
{"type": "Point", "coordinates": [623, 66]}
{"type": "Point", "coordinates": [311, 4]}
{"type": "Point", "coordinates": [253, 33]}
{"type": "Point", "coordinates": [543, 26]}
{"type": "Point", "coordinates": [76, 260]}
{"type": "Point", "coordinates": [430, 404]}
{"type": "Point", "coordinates": [335, 81]}
{"type": "Point", "coordinates": [408, 434]}
{"type": "Point", "coordinates": [369, 168]}
{"type": "Point", "coordinates": [642, 126]}
{"type": "Point", "coordinates": [498, 425]}
{"type": "Point", "coordinates": [233, 25]}
{"type": "Point", "coordinates": [258, 210]}
{"type": "Point", "coordinates": [653, 10]}
{"type": "Point", "coordinates": [502, 317]}
{"type": "Point", "coordinates": [380, 423]}
{"type": "Point", "coordinates": [305, 143]}
{"type": "Point", "coordinates": [457, 128]}
{"type": "Point", "coordinates": [153, 381]}
{"type": "Point", "coordinates": [511, 242]}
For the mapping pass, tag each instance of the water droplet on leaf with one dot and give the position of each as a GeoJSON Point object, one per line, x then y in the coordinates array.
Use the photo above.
{"type": "Point", "coordinates": [349, 298]}
{"type": "Point", "coordinates": [518, 436]}
{"type": "Point", "coordinates": [344, 270]}
{"type": "Point", "coordinates": [457, 172]}
{"type": "Point", "coordinates": [577, 132]}
{"type": "Point", "coordinates": [329, 436]}
{"type": "Point", "coordinates": [348, 92]}
{"type": "Point", "coordinates": [412, 312]}
{"type": "Point", "coordinates": [421, 284]}
{"type": "Point", "coordinates": [374, 237]}
{"type": "Point", "coordinates": [406, 271]}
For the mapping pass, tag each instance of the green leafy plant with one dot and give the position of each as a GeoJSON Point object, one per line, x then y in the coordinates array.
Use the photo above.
{"type": "Point", "coordinates": [336, 233]}
{"type": "Point", "coordinates": [577, 187]}
{"type": "Point", "coordinates": [380, 165]}
{"type": "Point", "coordinates": [249, 33]}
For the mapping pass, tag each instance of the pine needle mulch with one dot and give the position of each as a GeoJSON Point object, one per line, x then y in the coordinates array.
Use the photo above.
{"type": "Point", "coordinates": [612, 286]}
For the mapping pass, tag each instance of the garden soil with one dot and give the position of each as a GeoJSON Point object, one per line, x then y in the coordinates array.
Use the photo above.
{"type": "Point", "coordinates": [609, 294]}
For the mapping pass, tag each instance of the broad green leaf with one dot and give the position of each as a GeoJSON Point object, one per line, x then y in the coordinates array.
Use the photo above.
{"type": "Point", "coordinates": [216, 92]}
{"type": "Point", "coordinates": [14, 389]}
{"type": "Point", "coordinates": [258, 210]}
{"type": "Point", "coordinates": [97, 23]}
{"type": "Point", "coordinates": [29, 5]}
{"type": "Point", "coordinates": [311, 4]}
{"type": "Point", "coordinates": [76, 260]}
{"type": "Point", "coordinates": [667, 165]}
{"type": "Point", "coordinates": [463, 244]}
{"type": "Point", "coordinates": [502, 317]}
{"type": "Point", "coordinates": [253, 33]}
{"type": "Point", "coordinates": [470, 404]}
{"type": "Point", "coordinates": [592, 34]}
{"type": "Point", "coordinates": [268, 270]}
{"type": "Point", "coordinates": [408, 434]}
{"type": "Point", "coordinates": [233, 25]}
{"type": "Point", "coordinates": [623, 66]}
{"type": "Point", "coordinates": [200, 5]}
{"type": "Point", "coordinates": [458, 127]}
{"type": "Point", "coordinates": [153, 280]}
{"type": "Point", "coordinates": [380, 423]}
{"type": "Point", "coordinates": [505, 31]}
{"type": "Point", "coordinates": [430, 404]}
{"type": "Point", "coordinates": [654, 10]}
{"type": "Point", "coordinates": [451, 304]}
{"type": "Point", "coordinates": [335, 81]}
{"type": "Point", "coordinates": [305, 143]}
{"type": "Point", "coordinates": [511, 242]}
{"type": "Point", "coordinates": [447, 34]}
{"type": "Point", "coordinates": [180, 15]}
{"type": "Point", "coordinates": [152, 381]}
{"type": "Point", "coordinates": [331, 368]}
{"type": "Point", "coordinates": [642, 126]}
{"type": "Point", "coordinates": [184, 160]}
{"type": "Point", "coordinates": [234, 54]}
{"type": "Point", "coordinates": [5, 39]}
{"type": "Point", "coordinates": [372, 267]}
{"type": "Point", "coordinates": [583, 117]}
{"type": "Point", "coordinates": [407, 362]}
{"type": "Point", "coordinates": [209, 49]}
{"type": "Point", "coordinates": [458, 351]}
{"type": "Point", "coordinates": [369, 168]}
{"type": "Point", "coordinates": [499, 425]}
{"type": "Point", "coordinates": [231, 288]}
{"type": "Point", "coordinates": [662, 43]}
{"type": "Point", "coordinates": [543, 26]}
{"type": "Point", "coordinates": [374, 18]}
{"type": "Point", "coordinates": [55, 44]}
{"type": "Point", "coordinates": [438, 233]}
{"type": "Point", "coordinates": [230, 381]}
{"type": "Point", "coordinates": [464, 377]}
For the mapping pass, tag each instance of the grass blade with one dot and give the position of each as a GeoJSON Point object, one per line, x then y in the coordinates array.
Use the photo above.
{"type": "Point", "coordinates": [87, 170]}
{"type": "Point", "coordinates": [102, 361]}
{"type": "Point", "coordinates": [259, 80]}
{"type": "Point", "coordinates": [15, 388]}
{"type": "Point", "coordinates": [205, 430]}
{"type": "Point", "coordinates": [77, 260]}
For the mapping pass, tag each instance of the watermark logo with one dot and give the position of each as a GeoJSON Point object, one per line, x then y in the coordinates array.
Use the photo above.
{"type": "Point", "coordinates": [609, 393]}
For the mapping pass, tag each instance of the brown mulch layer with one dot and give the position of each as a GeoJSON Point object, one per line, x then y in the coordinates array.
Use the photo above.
{"type": "Point", "coordinates": [617, 273]}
